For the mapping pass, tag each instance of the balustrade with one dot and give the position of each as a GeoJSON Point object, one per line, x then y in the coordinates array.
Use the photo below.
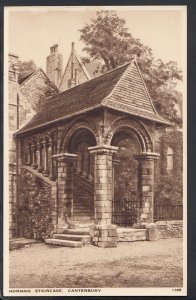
{"type": "Point", "coordinates": [39, 156]}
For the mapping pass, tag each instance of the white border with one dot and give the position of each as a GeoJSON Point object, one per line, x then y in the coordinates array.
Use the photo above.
{"type": "Point", "coordinates": [78, 291]}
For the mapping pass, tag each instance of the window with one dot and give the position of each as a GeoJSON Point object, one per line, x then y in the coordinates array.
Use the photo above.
{"type": "Point", "coordinates": [170, 159]}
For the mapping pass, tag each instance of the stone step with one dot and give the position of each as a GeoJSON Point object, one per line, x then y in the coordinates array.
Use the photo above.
{"type": "Point", "coordinates": [73, 237]}
{"type": "Point", "coordinates": [131, 234]}
{"type": "Point", "coordinates": [80, 218]}
{"type": "Point", "coordinates": [20, 242]}
{"type": "Point", "coordinates": [77, 231]}
{"type": "Point", "coordinates": [64, 243]}
{"type": "Point", "coordinates": [82, 209]}
{"type": "Point", "coordinates": [82, 213]}
{"type": "Point", "coordinates": [79, 205]}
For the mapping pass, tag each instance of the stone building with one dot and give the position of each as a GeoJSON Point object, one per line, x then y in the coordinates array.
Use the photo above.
{"type": "Point", "coordinates": [79, 140]}
{"type": "Point", "coordinates": [89, 152]}
{"type": "Point", "coordinates": [24, 98]}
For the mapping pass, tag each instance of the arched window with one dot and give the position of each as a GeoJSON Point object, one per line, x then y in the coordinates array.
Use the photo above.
{"type": "Point", "coordinates": [170, 159]}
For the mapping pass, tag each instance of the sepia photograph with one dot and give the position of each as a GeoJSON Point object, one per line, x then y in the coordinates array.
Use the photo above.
{"type": "Point", "coordinates": [95, 151]}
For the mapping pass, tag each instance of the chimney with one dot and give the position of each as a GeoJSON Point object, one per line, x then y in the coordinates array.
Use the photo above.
{"type": "Point", "coordinates": [54, 64]}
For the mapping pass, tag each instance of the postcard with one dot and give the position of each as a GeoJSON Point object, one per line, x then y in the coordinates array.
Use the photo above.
{"type": "Point", "coordinates": [95, 151]}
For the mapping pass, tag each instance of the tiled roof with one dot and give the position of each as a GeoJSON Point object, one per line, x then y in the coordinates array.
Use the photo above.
{"type": "Point", "coordinates": [122, 89]}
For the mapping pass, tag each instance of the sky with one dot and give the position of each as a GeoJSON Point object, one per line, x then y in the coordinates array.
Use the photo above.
{"type": "Point", "coordinates": [31, 31]}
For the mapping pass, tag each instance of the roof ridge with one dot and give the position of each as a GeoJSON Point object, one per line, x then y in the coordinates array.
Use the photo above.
{"type": "Point", "coordinates": [33, 73]}
{"type": "Point", "coordinates": [82, 65]}
{"type": "Point", "coordinates": [145, 87]}
{"type": "Point", "coordinates": [95, 78]}
{"type": "Point", "coordinates": [65, 71]}
{"type": "Point", "coordinates": [30, 75]}
{"type": "Point", "coordinates": [124, 73]}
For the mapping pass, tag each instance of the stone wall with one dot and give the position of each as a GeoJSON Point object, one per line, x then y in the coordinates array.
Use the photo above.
{"type": "Point", "coordinates": [32, 93]}
{"type": "Point", "coordinates": [170, 229]}
{"type": "Point", "coordinates": [37, 205]}
{"type": "Point", "coordinates": [13, 126]}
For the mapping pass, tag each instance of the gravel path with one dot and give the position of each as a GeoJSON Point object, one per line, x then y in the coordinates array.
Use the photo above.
{"type": "Point", "coordinates": [138, 264]}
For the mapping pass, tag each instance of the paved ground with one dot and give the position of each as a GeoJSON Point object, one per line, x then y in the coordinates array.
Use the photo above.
{"type": "Point", "coordinates": [138, 264]}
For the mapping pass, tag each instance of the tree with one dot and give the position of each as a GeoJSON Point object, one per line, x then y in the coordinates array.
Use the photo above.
{"type": "Point", "coordinates": [109, 42]}
{"type": "Point", "coordinates": [26, 68]}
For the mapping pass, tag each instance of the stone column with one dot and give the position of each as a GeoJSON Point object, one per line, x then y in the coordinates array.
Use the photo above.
{"type": "Point", "coordinates": [45, 171]}
{"type": "Point", "coordinates": [40, 169]}
{"type": "Point", "coordinates": [28, 153]}
{"type": "Point", "coordinates": [34, 165]}
{"type": "Point", "coordinates": [50, 159]}
{"type": "Point", "coordinates": [104, 234]}
{"type": "Point", "coordinates": [146, 185]}
{"type": "Point", "coordinates": [66, 162]}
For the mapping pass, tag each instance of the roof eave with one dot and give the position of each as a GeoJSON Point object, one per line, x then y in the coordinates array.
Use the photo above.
{"type": "Point", "coordinates": [21, 132]}
{"type": "Point", "coordinates": [163, 123]}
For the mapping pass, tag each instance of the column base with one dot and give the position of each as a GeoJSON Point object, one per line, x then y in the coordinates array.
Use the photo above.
{"type": "Point", "coordinates": [104, 236]}
{"type": "Point", "coordinates": [34, 166]}
{"type": "Point", "coordinates": [40, 170]}
{"type": "Point", "coordinates": [45, 173]}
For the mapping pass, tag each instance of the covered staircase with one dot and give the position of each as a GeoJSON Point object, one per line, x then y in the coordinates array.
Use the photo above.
{"type": "Point", "coordinates": [83, 199]}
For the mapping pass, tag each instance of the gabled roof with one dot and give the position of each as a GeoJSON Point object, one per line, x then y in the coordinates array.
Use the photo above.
{"type": "Point", "coordinates": [121, 89]}
{"type": "Point", "coordinates": [32, 74]}
{"type": "Point", "coordinates": [81, 64]}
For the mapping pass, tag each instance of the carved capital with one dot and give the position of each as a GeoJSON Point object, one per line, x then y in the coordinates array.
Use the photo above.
{"type": "Point", "coordinates": [103, 149]}
{"type": "Point", "coordinates": [65, 157]}
{"type": "Point", "coordinates": [146, 156]}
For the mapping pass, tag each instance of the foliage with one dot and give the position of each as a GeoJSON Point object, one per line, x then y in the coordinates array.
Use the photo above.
{"type": "Point", "coordinates": [108, 41]}
{"type": "Point", "coordinates": [169, 184]}
{"type": "Point", "coordinates": [34, 212]}
{"type": "Point", "coordinates": [26, 68]}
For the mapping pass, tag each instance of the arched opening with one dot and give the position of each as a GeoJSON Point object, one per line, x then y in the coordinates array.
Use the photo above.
{"type": "Point", "coordinates": [125, 197]}
{"type": "Point", "coordinates": [83, 183]}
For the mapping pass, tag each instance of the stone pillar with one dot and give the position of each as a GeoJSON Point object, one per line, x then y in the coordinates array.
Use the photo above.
{"type": "Point", "coordinates": [40, 169]}
{"type": "Point", "coordinates": [28, 153]}
{"type": "Point", "coordinates": [34, 165]}
{"type": "Point", "coordinates": [45, 171]}
{"type": "Point", "coordinates": [146, 185]}
{"type": "Point", "coordinates": [50, 153]}
{"type": "Point", "coordinates": [104, 234]}
{"type": "Point", "coordinates": [66, 162]}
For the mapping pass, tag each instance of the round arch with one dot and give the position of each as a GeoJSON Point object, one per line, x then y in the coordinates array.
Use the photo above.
{"type": "Point", "coordinates": [137, 128]}
{"type": "Point", "coordinates": [78, 124]}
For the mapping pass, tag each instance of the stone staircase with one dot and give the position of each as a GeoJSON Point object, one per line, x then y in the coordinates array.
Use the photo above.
{"type": "Point", "coordinates": [75, 238]}
{"type": "Point", "coordinates": [83, 203]}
